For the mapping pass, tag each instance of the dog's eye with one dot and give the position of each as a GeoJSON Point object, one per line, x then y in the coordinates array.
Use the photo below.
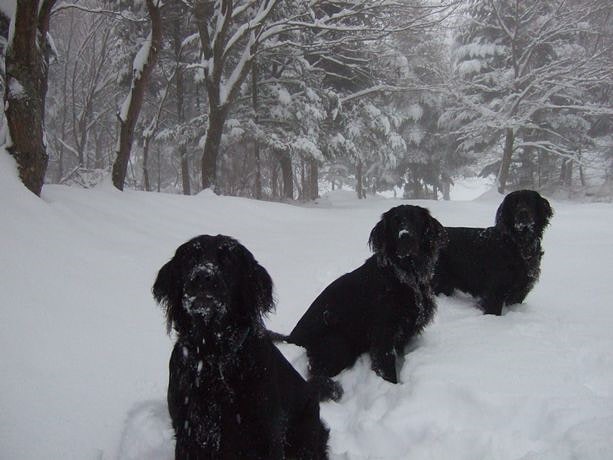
{"type": "Point", "coordinates": [201, 280]}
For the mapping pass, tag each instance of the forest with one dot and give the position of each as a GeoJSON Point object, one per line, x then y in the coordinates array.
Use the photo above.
{"type": "Point", "coordinates": [277, 99]}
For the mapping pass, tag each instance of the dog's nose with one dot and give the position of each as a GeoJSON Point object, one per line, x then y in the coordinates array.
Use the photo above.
{"type": "Point", "coordinates": [405, 233]}
{"type": "Point", "coordinates": [523, 216]}
{"type": "Point", "coordinates": [408, 244]}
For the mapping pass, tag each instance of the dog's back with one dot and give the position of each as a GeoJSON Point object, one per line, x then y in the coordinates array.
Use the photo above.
{"type": "Point", "coordinates": [378, 307]}
{"type": "Point", "coordinates": [499, 264]}
{"type": "Point", "coordinates": [484, 263]}
{"type": "Point", "coordinates": [349, 296]}
{"type": "Point", "coordinates": [462, 264]}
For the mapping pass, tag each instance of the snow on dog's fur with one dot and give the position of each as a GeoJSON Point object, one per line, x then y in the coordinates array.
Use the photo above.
{"type": "Point", "coordinates": [378, 307]}
{"type": "Point", "coordinates": [499, 265]}
{"type": "Point", "coordinates": [231, 392]}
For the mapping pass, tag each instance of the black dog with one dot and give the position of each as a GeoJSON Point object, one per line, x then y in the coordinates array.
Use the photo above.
{"type": "Point", "coordinates": [499, 265]}
{"type": "Point", "coordinates": [231, 394]}
{"type": "Point", "coordinates": [379, 306]}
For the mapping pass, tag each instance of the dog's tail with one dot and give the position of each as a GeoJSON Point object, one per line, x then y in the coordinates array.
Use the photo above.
{"type": "Point", "coordinates": [277, 337]}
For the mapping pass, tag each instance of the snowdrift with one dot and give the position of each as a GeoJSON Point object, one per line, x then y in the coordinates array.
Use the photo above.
{"type": "Point", "coordinates": [84, 349]}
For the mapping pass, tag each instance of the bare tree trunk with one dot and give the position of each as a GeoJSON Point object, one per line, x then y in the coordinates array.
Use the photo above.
{"type": "Point", "coordinates": [185, 177]}
{"type": "Point", "coordinates": [64, 108]}
{"type": "Point", "coordinates": [275, 180]}
{"type": "Point", "coordinates": [27, 65]}
{"type": "Point", "coordinates": [566, 173]}
{"type": "Point", "coordinates": [505, 166]}
{"type": "Point", "coordinates": [213, 52]}
{"type": "Point", "coordinates": [539, 170]}
{"type": "Point", "coordinates": [180, 88]}
{"type": "Point", "coordinates": [256, 144]}
{"type": "Point", "coordinates": [417, 189]}
{"type": "Point", "coordinates": [217, 119]}
{"type": "Point", "coordinates": [159, 161]}
{"type": "Point", "coordinates": [287, 175]}
{"type": "Point", "coordinates": [313, 180]}
{"type": "Point", "coordinates": [98, 158]}
{"type": "Point", "coordinates": [214, 38]}
{"type": "Point", "coordinates": [359, 177]}
{"type": "Point", "coordinates": [146, 183]}
{"type": "Point", "coordinates": [446, 188]}
{"type": "Point", "coordinates": [258, 173]}
{"type": "Point", "coordinates": [140, 80]}
{"type": "Point", "coordinates": [303, 182]}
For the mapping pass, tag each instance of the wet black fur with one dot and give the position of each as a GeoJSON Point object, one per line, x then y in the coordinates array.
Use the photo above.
{"type": "Point", "coordinates": [378, 307]}
{"type": "Point", "coordinates": [498, 265]}
{"type": "Point", "coordinates": [231, 393]}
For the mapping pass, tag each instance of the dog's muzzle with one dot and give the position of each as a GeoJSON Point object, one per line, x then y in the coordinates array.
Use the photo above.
{"type": "Point", "coordinates": [524, 220]}
{"type": "Point", "coordinates": [207, 307]}
{"type": "Point", "coordinates": [408, 244]}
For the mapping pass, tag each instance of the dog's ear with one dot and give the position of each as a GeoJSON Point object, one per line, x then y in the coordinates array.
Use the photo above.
{"type": "Point", "coordinates": [256, 286]}
{"type": "Point", "coordinates": [260, 283]}
{"type": "Point", "coordinates": [545, 211]}
{"type": "Point", "coordinates": [168, 290]}
{"type": "Point", "coordinates": [435, 232]}
{"type": "Point", "coordinates": [377, 242]}
{"type": "Point", "coordinates": [504, 219]}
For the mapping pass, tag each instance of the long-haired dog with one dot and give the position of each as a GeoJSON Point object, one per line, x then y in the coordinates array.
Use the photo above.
{"type": "Point", "coordinates": [498, 265]}
{"type": "Point", "coordinates": [378, 307]}
{"type": "Point", "coordinates": [231, 393]}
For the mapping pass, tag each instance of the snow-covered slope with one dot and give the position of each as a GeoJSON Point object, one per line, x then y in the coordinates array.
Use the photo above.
{"type": "Point", "coordinates": [84, 351]}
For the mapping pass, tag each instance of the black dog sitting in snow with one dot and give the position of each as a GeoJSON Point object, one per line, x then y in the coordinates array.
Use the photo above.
{"type": "Point", "coordinates": [499, 265]}
{"type": "Point", "coordinates": [379, 306]}
{"type": "Point", "coordinates": [231, 394]}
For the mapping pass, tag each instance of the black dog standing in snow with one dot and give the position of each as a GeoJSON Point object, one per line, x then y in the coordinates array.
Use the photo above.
{"type": "Point", "coordinates": [378, 307]}
{"type": "Point", "coordinates": [231, 394]}
{"type": "Point", "coordinates": [499, 265]}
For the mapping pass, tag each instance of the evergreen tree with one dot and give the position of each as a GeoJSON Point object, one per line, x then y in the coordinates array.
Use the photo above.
{"type": "Point", "coordinates": [525, 76]}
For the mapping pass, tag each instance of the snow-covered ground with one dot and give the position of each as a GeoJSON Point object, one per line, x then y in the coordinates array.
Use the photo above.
{"type": "Point", "coordinates": [84, 352]}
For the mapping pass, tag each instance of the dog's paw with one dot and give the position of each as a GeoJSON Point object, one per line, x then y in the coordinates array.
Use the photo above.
{"type": "Point", "coordinates": [336, 391]}
{"type": "Point", "coordinates": [326, 388]}
{"type": "Point", "coordinates": [386, 375]}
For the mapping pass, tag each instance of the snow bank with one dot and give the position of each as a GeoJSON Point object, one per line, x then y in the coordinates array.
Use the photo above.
{"type": "Point", "coordinates": [84, 362]}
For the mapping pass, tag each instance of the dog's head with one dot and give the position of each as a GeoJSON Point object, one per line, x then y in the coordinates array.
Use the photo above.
{"type": "Point", "coordinates": [212, 281]}
{"type": "Point", "coordinates": [524, 214]}
{"type": "Point", "coordinates": [408, 236]}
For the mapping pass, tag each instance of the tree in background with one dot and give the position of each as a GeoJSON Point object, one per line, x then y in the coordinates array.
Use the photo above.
{"type": "Point", "coordinates": [142, 69]}
{"type": "Point", "coordinates": [350, 92]}
{"type": "Point", "coordinates": [423, 171]}
{"type": "Point", "coordinates": [230, 32]}
{"type": "Point", "coordinates": [525, 78]}
{"type": "Point", "coordinates": [5, 20]}
{"type": "Point", "coordinates": [383, 84]}
{"type": "Point", "coordinates": [27, 64]}
{"type": "Point", "coordinates": [82, 102]}
{"type": "Point", "coordinates": [178, 33]}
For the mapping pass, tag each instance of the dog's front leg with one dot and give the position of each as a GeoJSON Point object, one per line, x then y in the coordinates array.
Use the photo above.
{"type": "Point", "coordinates": [384, 362]}
{"type": "Point", "coordinates": [492, 304]}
